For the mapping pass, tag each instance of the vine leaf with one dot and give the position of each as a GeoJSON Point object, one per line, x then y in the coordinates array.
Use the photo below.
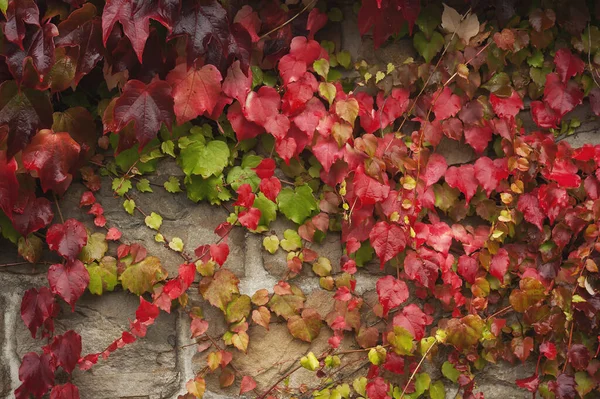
{"type": "Point", "coordinates": [140, 277]}
{"type": "Point", "coordinates": [388, 240]}
{"type": "Point", "coordinates": [66, 348]}
{"type": "Point", "coordinates": [499, 264]}
{"type": "Point", "coordinates": [9, 185]}
{"type": "Point", "coordinates": [195, 90]}
{"type": "Point", "coordinates": [561, 97]}
{"type": "Point", "coordinates": [220, 288]}
{"type": "Point", "coordinates": [464, 28]}
{"type": "Point", "coordinates": [387, 18]}
{"type": "Point", "coordinates": [67, 239]}
{"type": "Point", "coordinates": [391, 292]}
{"type": "Point", "coordinates": [36, 374]}
{"type": "Point", "coordinates": [378, 388]}
{"type": "Point", "coordinates": [567, 64]}
{"type": "Point", "coordinates": [462, 178]}
{"type": "Point", "coordinates": [31, 214]}
{"type": "Point", "coordinates": [297, 204]}
{"type": "Point", "coordinates": [148, 106]}
{"type": "Point", "coordinates": [68, 281]}
{"type": "Point", "coordinates": [52, 156]}
{"type": "Point", "coordinates": [306, 326]}
{"type": "Point", "coordinates": [247, 384]}
{"type": "Point", "coordinates": [65, 391]}
{"type": "Point", "coordinates": [24, 111]}
{"type": "Point", "coordinates": [38, 308]}
{"type": "Point", "coordinates": [19, 13]}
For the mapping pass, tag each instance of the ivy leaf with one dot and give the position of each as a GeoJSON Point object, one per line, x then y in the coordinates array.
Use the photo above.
{"type": "Point", "coordinates": [561, 97]}
{"type": "Point", "coordinates": [305, 327]}
{"type": "Point", "coordinates": [413, 320]}
{"type": "Point", "coordinates": [95, 248]}
{"type": "Point", "coordinates": [195, 91]}
{"type": "Point", "coordinates": [247, 384]}
{"type": "Point", "coordinates": [196, 387]}
{"type": "Point", "coordinates": [289, 304]}
{"type": "Point", "coordinates": [36, 374]}
{"type": "Point", "coordinates": [237, 84]}
{"type": "Point", "coordinates": [270, 187]}
{"type": "Point", "coordinates": [52, 156]}
{"type": "Point", "coordinates": [143, 186]}
{"type": "Point", "coordinates": [67, 239]}
{"type": "Point", "coordinates": [19, 13]}
{"type": "Point", "coordinates": [65, 391]}
{"type": "Point", "coordinates": [238, 309]}
{"type": "Point", "coordinates": [543, 115]}
{"type": "Point", "coordinates": [250, 218]}
{"type": "Point", "coordinates": [80, 125]}
{"type": "Point", "coordinates": [140, 277]}
{"type": "Point", "coordinates": [172, 185]}
{"type": "Point", "coordinates": [25, 111]}
{"type": "Point", "coordinates": [154, 221]}
{"type": "Point", "coordinates": [262, 317]}
{"type": "Point", "coordinates": [391, 292]}
{"type": "Point", "coordinates": [220, 288]}
{"type": "Point", "coordinates": [450, 372]}
{"type": "Point", "coordinates": [378, 388]}
{"type": "Point", "coordinates": [31, 214]}
{"type": "Point", "coordinates": [204, 160]}
{"type": "Point", "coordinates": [103, 276]}
{"type": "Point", "coordinates": [148, 106]}
{"type": "Point", "coordinates": [369, 190]}
{"type": "Point", "coordinates": [462, 178]}
{"type": "Point", "coordinates": [565, 386]}
{"type": "Point", "coordinates": [69, 281]}
{"type": "Point", "coordinates": [66, 348]}
{"type": "Point", "coordinates": [387, 18]}
{"type": "Point", "coordinates": [212, 189]}
{"type": "Point", "coordinates": [464, 28]}
{"type": "Point", "coordinates": [447, 104]}
{"type": "Point", "coordinates": [506, 107]}
{"type": "Point", "coordinates": [297, 204]}
{"type": "Point", "coordinates": [134, 16]}
{"type": "Point", "coordinates": [388, 240]}
{"type": "Point", "coordinates": [465, 332]}
{"type": "Point", "coordinates": [499, 264]}
{"type": "Point", "coordinates": [529, 205]}
{"type": "Point", "coordinates": [530, 383]}
{"type": "Point", "coordinates": [9, 184]}
{"type": "Point", "coordinates": [490, 173]}
{"type": "Point", "coordinates": [567, 64]}
{"type": "Point", "coordinates": [38, 308]}
{"type": "Point", "coordinates": [579, 356]}
{"type": "Point", "coordinates": [435, 169]}
{"type": "Point", "coordinates": [428, 48]}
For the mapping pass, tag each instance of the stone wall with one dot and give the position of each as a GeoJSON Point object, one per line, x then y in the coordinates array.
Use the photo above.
{"type": "Point", "coordinates": [159, 365]}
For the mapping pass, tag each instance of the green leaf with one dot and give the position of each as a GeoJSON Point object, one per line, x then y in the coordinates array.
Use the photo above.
{"type": "Point", "coordinates": [211, 189]}
{"type": "Point", "coordinates": [95, 248]}
{"type": "Point", "coordinates": [450, 372]}
{"type": "Point", "coordinates": [401, 340]}
{"type": "Point", "coordinates": [429, 18]}
{"type": "Point", "coordinates": [3, 6]}
{"type": "Point", "coordinates": [141, 277]}
{"type": "Point", "coordinates": [437, 390]}
{"type": "Point", "coordinates": [536, 59]}
{"type": "Point", "coordinates": [176, 244]}
{"type": "Point", "coordinates": [344, 59]}
{"type": "Point", "coordinates": [121, 186]}
{"type": "Point", "coordinates": [168, 147]}
{"type": "Point", "coordinates": [310, 362]}
{"type": "Point", "coordinates": [154, 221]}
{"type": "Point", "coordinates": [257, 76]}
{"type": "Point", "coordinates": [238, 309]}
{"type": "Point", "coordinates": [327, 91]}
{"type": "Point", "coordinates": [297, 205]}
{"type": "Point", "coordinates": [204, 160]}
{"type": "Point", "coordinates": [291, 240]}
{"type": "Point", "coordinates": [238, 176]}
{"type": "Point", "coordinates": [251, 161]}
{"type": "Point", "coordinates": [220, 288]}
{"type": "Point", "coordinates": [499, 84]}
{"type": "Point", "coordinates": [271, 243]}
{"type": "Point", "coordinates": [129, 206]}
{"type": "Point", "coordinates": [428, 48]}
{"type": "Point", "coordinates": [335, 14]}
{"type": "Point", "coordinates": [321, 67]}
{"type": "Point", "coordinates": [377, 355]}
{"type": "Point", "coordinates": [103, 275]}
{"type": "Point", "coordinates": [322, 267]}
{"type": "Point", "coordinates": [360, 385]}
{"type": "Point", "coordinates": [289, 305]}
{"type": "Point", "coordinates": [268, 211]}
{"type": "Point", "coordinates": [7, 229]}
{"type": "Point", "coordinates": [172, 185]}
{"type": "Point", "coordinates": [143, 186]}
{"type": "Point", "coordinates": [584, 382]}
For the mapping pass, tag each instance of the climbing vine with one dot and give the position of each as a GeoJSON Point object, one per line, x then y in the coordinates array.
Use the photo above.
{"type": "Point", "coordinates": [492, 260]}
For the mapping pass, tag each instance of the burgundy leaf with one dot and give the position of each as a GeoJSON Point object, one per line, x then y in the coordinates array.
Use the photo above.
{"type": "Point", "coordinates": [69, 281]}
{"type": "Point", "coordinates": [38, 307]}
{"type": "Point", "coordinates": [66, 348]}
{"type": "Point", "coordinates": [36, 374]}
{"type": "Point", "coordinates": [66, 391]}
{"type": "Point", "coordinates": [67, 239]}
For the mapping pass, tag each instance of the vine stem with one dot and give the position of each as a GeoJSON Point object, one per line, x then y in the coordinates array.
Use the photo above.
{"type": "Point", "coordinates": [283, 377]}
{"type": "Point", "coordinates": [62, 220]}
{"type": "Point", "coordinates": [412, 376]}
{"type": "Point", "coordinates": [506, 309]}
{"type": "Point", "coordinates": [306, 7]}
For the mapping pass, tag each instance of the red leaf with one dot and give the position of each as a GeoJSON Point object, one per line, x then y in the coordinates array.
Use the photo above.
{"type": "Point", "coordinates": [564, 172]}
{"type": "Point", "coordinates": [377, 389]}
{"type": "Point", "coordinates": [467, 268]}
{"type": "Point", "coordinates": [490, 173]}
{"type": "Point", "coordinates": [245, 196]}
{"type": "Point", "coordinates": [196, 91]}
{"type": "Point", "coordinates": [392, 292]}
{"type": "Point", "coordinates": [435, 169]}
{"type": "Point", "coordinates": [66, 391]}
{"type": "Point", "coordinates": [270, 188]}
{"type": "Point", "coordinates": [113, 234]}
{"type": "Point", "coordinates": [387, 17]}
{"type": "Point", "coordinates": [440, 237]}
{"type": "Point", "coordinates": [52, 156]}
{"type": "Point", "coordinates": [552, 200]}
{"type": "Point", "coordinates": [530, 383]}
{"type": "Point", "coordinates": [67, 239]}
{"type": "Point", "coordinates": [9, 186]}
{"type": "Point", "coordinates": [36, 374]}
{"type": "Point", "coordinates": [37, 309]}
{"type": "Point", "coordinates": [18, 14]}
{"type": "Point", "coordinates": [529, 205]}
{"type": "Point", "coordinates": [147, 312]}
{"type": "Point", "coordinates": [147, 105]}
{"type": "Point", "coordinates": [327, 151]}
{"type": "Point", "coordinates": [247, 384]}
{"type": "Point", "coordinates": [499, 264]}
{"type": "Point", "coordinates": [243, 128]}
{"type": "Point", "coordinates": [388, 240]}
{"type": "Point", "coordinates": [413, 320]}
{"type": "Point", "coordinates": [369, 190]}
{"type": "Point", "coordinates": [262, 105]}
{"type": "Point", "coordinates": [394, 363]}
{"type": "Point", "coordinates": [31, 214]}
{"type": "Point", "coordinates": [594, 98]}
{"type": "Point", "coordinates": [579, 356]}
{"type": "Point", "coordinates": [446, 105]}
{"type": "Point", "coordinates": [236, 84]}
{"type": "Point", "coordinates": [478, 137]}
{"type": "Point", "coordinates": [265, 168]}
{"type": "Point", "coordinates": [543, 115]}
{"type": "Point", "coordinates": [548, 349]}
{"type": "Point", "coordinates": [249, 19]}
{"type": "Point", "coordinates": [66, 349]}
{"type": "Point", "coordinates": [462, 178]}
{"type": "Point", "coordinates": [506, 106]}
{"type": "Point", "coordinates": [219, 252]}
{"type": "Point", "coordinates": [198, 327]}
{"type": "Point", "coordinates": [561, 97]}
{"type": "Point", "coordinates": [25, 111]}
{"type": "Point", "coordinates": [249, 218]}
{"type": "Point", "coordinates": [135, 17]}
{"type": "Point", "coordinates": [69, 281]}
{"type": "Point", "coordinates": [567, 64]}
{"type": "Point", "coordinates": [316, 20]}
{"type": "Point", "coordinates": [87, 199]}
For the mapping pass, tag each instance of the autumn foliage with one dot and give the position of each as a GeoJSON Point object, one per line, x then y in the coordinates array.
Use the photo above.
{"type": "Point", "coordinates": [491, 260]}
